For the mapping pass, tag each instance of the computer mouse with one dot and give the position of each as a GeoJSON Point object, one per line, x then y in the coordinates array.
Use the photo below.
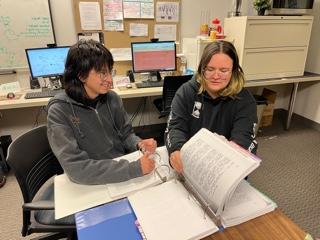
{"type": "Point", "coordinates": [11, 95]}
{"type": "Point", "coordinates": [129, 85]}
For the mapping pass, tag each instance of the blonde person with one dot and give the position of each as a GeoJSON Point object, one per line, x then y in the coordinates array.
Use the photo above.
{"type": "Point", "coordinates": [215, 99]}
{"type": "Point", "coordinates": [88, 126]}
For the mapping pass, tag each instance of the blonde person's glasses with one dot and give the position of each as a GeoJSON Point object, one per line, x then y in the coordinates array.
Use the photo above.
{"type": "Point", "coordinates": [208, 72]}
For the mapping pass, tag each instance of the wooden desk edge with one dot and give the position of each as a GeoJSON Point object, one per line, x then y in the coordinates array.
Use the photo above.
{"type": "Point", "coordinates": [274, 225]}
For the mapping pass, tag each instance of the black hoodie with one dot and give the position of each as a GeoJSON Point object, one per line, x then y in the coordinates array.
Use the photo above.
{"type": "Point", "coordinates": [235, 119]}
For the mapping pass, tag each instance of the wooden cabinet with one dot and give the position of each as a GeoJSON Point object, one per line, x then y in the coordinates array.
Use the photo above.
{"type": "Point", "coordinates": [270, 46]}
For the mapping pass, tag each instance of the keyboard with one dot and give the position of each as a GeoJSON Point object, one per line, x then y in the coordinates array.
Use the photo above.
{"type": "Point", "coordinates": [149, 84]}
{"type": "Point", "coordinates": [43, 94]}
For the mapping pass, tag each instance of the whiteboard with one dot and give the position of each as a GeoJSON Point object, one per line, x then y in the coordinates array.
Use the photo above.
{"type": "Point", "coordinates": [23, 24]}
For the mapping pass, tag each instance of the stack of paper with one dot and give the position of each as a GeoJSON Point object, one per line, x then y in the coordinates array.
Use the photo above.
{"type": "Point", "coordinates": [245, 204]}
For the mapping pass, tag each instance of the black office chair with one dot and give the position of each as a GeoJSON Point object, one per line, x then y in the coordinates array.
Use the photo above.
{"type": "Point", "coordinates": [33, 163]}
{"type": "Point", "coordinates": [170, 86]}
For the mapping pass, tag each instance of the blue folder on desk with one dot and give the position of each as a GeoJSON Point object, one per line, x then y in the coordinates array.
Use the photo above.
{"type": "Point", "coordinates": [115, 220]}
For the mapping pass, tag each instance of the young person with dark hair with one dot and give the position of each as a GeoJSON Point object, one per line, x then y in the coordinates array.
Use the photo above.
{"type": "Point", "coordinates": [215, 99]}
{"type": "Point", "coordinates": [88, 126]}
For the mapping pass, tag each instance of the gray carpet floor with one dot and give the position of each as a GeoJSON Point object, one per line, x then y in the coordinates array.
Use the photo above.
{"type": "Point", "coordinates": [290, 170]}
{"type": "Point", "coordinates": [289, 174]}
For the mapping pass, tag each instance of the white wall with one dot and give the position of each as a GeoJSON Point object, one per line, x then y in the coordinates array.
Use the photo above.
{"type": "Point", "coordinates": [308, 100]}
{"type": "Point", "coordinates": [192, 13]}
{"type": "Point", "coordinates": [63, 21]}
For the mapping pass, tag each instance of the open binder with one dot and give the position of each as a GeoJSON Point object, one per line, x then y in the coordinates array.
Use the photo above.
{"type": "Point", "coordinates": [212, 192]}
{"type": "Point", "coordinates": [71, 197]}
{"type": "Point", "coordinates": [161, 174]}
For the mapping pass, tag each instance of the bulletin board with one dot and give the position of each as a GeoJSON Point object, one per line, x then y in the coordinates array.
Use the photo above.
{"type": "Point", "coordinates": [122, 39]}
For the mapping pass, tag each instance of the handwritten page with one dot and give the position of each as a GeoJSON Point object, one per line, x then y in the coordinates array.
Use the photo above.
{"type": "Point", "coordinates": [138, 9]}
{"type": "Point", "coordinates": [147, 9]}
{"type": "Point", "coordinates": [165, 32]}
{"type": "Point", "coordinates": [90, 18]}
{"type": "Point", "coordinates": [121, 54]}
{"type": "Point", "coordinates": [112, 10]}
{"type": "Point", "coordinates": [131, 9]}
{"type": "Point", "coordinates": [113, 25]}
{"type": "Point", "coordinates": [214, 167]}
{"type": "Point", "coordinates": [168, 211]}
{"type": "Point", "coordinates": [138, 30]}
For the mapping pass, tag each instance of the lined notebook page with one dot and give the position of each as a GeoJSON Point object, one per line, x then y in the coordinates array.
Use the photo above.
{"type": "Point", "coordinates": [167, 211]}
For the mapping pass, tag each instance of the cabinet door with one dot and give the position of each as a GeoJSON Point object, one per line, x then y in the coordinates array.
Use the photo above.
{"type": "Point", "coordinates": [278, 33]}
{"type": "Point", "coordinates": [274, 62]}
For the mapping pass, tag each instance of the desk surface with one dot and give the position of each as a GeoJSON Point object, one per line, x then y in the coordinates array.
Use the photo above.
{"type": "Point", "coordinates": [21, 102]}
{"type": "Point", "coordinates": [155, 91]}
{"type": "Point", "coordinates": [274, 225]}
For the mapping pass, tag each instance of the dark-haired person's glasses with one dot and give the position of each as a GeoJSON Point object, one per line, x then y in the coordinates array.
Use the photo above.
{"type": "Point", "coordinates": [208, 72]}
{"type": "Point", "coordinates": [105, 74]}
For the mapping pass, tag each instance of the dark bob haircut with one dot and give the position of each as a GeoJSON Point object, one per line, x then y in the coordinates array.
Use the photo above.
{"type": "Point", "coordinates": [83, 57]}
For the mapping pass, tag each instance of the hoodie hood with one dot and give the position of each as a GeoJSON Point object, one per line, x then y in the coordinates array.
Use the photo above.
{"type": "Point", "coordinates": [63, 97]}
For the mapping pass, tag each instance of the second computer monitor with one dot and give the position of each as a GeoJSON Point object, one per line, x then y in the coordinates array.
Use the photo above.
{"type": "Point", "coordinates": [153, 57]}
{"type": "Point", "coordinates": [47, 62]}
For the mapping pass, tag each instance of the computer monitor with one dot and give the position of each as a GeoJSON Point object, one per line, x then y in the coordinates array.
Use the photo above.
{"type": "Point", "coordinates": [153, 57]}
{"type": "Point", "coordinates": [47, 62]}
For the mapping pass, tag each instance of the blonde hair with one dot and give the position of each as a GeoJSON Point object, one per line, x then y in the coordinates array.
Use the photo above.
{"type": "Point", "coordinates": [237, 77]}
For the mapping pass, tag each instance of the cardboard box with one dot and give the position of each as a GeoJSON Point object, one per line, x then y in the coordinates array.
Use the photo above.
{"type": "Point", "coordinates": [260, 109]}
{"type": "Point", "coordinates": [267, 114]}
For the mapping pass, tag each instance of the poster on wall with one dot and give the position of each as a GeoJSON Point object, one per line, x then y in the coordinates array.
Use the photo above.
{"type": "Point", "coordinates": [113, 15]}
{"type": "Point", "coordinates": [138, 9]}
{"type": "Point", "coordinates": [165, 32]}
{"type": "Point", "coordinates": [112, 9]}
{"type": "Point", "coordinates": [113, 25]}
{"type": "Point", "coordinates": [167, 12]}
{"type": "Point", "coordinates": [138, 30]}
{"type": "Point", "coordinates": [90, 18]}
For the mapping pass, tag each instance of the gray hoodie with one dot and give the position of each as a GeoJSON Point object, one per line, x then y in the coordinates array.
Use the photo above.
{"type": "Point", "coordinates": [85, 140]}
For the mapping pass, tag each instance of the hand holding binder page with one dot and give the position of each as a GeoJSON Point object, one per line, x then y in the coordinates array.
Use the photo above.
{"type": "Point", "coordinates": [214, 99]}
{"type": "Point", "coordinates": [87, 124]}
